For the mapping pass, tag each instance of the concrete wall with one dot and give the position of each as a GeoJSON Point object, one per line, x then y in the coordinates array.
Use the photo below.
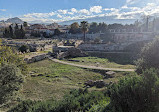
{"type": "Point", "coordinates": [131, 37]}
{"type": "Point", "coordinates": [80, 36]}
{"type": "Point", "coordinates": [101, 47]}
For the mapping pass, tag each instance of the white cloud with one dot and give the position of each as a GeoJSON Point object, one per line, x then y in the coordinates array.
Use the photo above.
{"type": "Point", "coordinates": [131, 1]}
{"type": "Point", "coordinates": [3, 10]}
{"type": "Point", "coordinates": [84, 11]}
{"type": "Point", "coordinates": [39, 20]}
{"type": "Point", "coordinates": [39, 15]}
{"type": "Point", "coordinates": [106, 9]}
{"type": "Point", "coordinates": [73, 10]}
{"type": "Point", "coordinates": [124, 7]}
{"type": "Point", "coordinates": [136, 12]}
{"type": "Point", "coordinates": [62, 11]}
{"type": "Point", "coordinates": [96, 9]}
{"type": "Point", "coordinates": [71, 13]}
{"type": "Point", "coordinates": [59, 16]}
{"type": "Point", "coordinates": [110, 9]}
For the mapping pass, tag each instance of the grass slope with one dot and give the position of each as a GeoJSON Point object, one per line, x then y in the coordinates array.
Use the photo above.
{"type": "Point", "coordinates": [52, 80]}
{"type": "Point", "coordinates": [48, 79]}
{"type": "Point", "coordinates": [101, 62]}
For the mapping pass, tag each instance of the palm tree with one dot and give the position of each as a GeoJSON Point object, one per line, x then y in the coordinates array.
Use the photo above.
{"type": "Point", "coordinates": [84, 28]}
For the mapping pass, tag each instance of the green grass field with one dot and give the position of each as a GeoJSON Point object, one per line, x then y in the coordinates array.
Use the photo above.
{"type": "Point", "coordinates": [101, 62]}
{"type": "Point", "coordinates": [48, 80]}
{"type": "Point", "coordinates": [51, 79]}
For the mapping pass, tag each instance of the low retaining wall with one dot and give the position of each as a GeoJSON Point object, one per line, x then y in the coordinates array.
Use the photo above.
{"type": "Point", "coordinates": [101, 47]}
{"type": "Point", "coordinates": [36, 58]}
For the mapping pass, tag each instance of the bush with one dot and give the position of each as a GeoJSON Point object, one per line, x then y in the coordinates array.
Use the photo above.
{"type": "Point", "coordinates": [149, 57]}
{"type": "Point", "coordinates": [100, 107]}
{"type": "Point", "coordinates": [57, 32]}
{"type": "Point", "coordinates": [32, 49]}
{"type": "Point", "coordinates": [130, 94]}
{"type": "Point", "coordinates": [136, 94]}
{"type": "Point", "coordinates": [8, 55]}
{"type": "Point", "coordinates": [77, 100]}
{"type": "Point", "coordinates": [34, 106]}
{"type": "Point", "coordinates": [10, 82]}
{"type": "Point", "coordinates": [23, 48]}
{"type": "Point", "coordinates": [97, 40]}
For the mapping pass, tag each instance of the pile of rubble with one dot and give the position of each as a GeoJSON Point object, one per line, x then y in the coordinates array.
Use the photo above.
{"type": "Point", "coordinates": [109, 74]}
{"type": "Point", "coordinates": [72, 52]}
{"type": "Point", "coordinates": [36, 58]}
{"type": "Point", "coordinates": [98, 83]}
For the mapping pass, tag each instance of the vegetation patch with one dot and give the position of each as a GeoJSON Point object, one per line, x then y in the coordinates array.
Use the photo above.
{"type": "Point", "coordinates": [76, 100]}
{"type": "Point", "coordinates": [48, 79]}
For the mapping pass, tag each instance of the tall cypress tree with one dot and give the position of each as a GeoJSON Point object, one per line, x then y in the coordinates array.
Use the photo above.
{"type": "Point", "coordinates": [11, 33]}
{"type": "Point", "coordinates": [15, 34]}
{"type": "Point", "coordinates": [6, 33]}
{"type": "Point", "coordinates": [16, 31]}
{"type": "Point", "coordinates": [22, 32]}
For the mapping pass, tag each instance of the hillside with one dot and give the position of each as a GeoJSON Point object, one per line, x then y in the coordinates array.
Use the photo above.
{"type": "Point", "coordinates": [14, 20]}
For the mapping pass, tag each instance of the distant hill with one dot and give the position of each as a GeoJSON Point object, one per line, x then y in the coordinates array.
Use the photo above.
{"type": "Point", "coordinates": [108, 20]}
{"type": "Point", "coordinates": [14, 20]}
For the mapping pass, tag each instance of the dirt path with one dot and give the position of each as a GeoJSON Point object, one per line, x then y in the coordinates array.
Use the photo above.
{"type": "Point", "coordinates": [91, 67]}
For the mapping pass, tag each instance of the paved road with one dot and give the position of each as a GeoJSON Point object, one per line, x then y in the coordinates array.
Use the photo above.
{"type": "Point", "coordinates": [91, 67]}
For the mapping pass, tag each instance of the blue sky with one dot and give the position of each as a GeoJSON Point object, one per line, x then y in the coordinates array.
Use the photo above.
{"type": "Point", "coordinates": [64, 10]}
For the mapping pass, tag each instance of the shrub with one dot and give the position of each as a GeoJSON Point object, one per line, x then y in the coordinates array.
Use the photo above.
{"type": "Point", "coordinates": [136, 94]}
{"type": "Point", "coordinates": [77, 100]}
{"type": "Point", "coordinates": [100, 107]}
{"type": "Point", "coordinates": [33, 106]}
{"type": "Point", "coordinates": [23, 48]}
{"type": "Point", "coordinates": [149, 57]}
{"type": "Point", "coordinates": [97, 40]}
{"type": "Point", "coordinates": [10, 82]}
{"type": "Point", "coordinates": [8, 55]}
{"type": "Point", "coordinates": [32, 49]}
{"type": "Point", "coordinates": [57, 32]}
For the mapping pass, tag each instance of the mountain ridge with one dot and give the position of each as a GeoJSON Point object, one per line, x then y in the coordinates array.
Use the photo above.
{"type": "Point", "coordinates": [13, 20]}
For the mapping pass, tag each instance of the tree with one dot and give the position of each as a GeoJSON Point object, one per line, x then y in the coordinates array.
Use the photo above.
{"type": "Point", "coordinates": [35, 34]}
{"type": "Point", "coordinates": [16, 34]}
{"type": "Point", "coordinates": [11, 33]}
{"type": "Point", "coordinates": [102, 27]}
{"type": "Point", "coordinates": [93, 27]}
{"type": "Point", "coordinates": [6, 33]}
{"type": "Point", "coordinates": [115, 26]}
{"type": "Point", "coordinates": [19, 33]}
{"type": "Point", "coordinates": [23, 48]}
{"type": "Point", "coordinates": [8, 55]}
{"type": "Point", "coordinates": [146, 22]}
{"type": "Point", "coordinates": [10, 82]}
{"type": "Point", "coordinates": [22, 32]}
{"type": "Point", "coordinates": [25, 24]}
{"type": "Point", "coordinates": [57, 32]}
{"type": "Point", "coordinates": [74, 28]}
{"type": "Point", "coordinates": [75, 25]}
{"type": "Point", "coordinates": [84, 28]}
{"type": "Point", "coordinates": [96, 28]}
{"type": "Point", "coordinates": [44, 34]}
{"type": "Point", "coordinates": [136, 93]}
{"type": "Point", "coordinates": [149, 57]}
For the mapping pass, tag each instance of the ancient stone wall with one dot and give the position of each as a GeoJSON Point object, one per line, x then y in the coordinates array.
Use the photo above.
{"type": "Point", "coordinates": [36, 58]}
